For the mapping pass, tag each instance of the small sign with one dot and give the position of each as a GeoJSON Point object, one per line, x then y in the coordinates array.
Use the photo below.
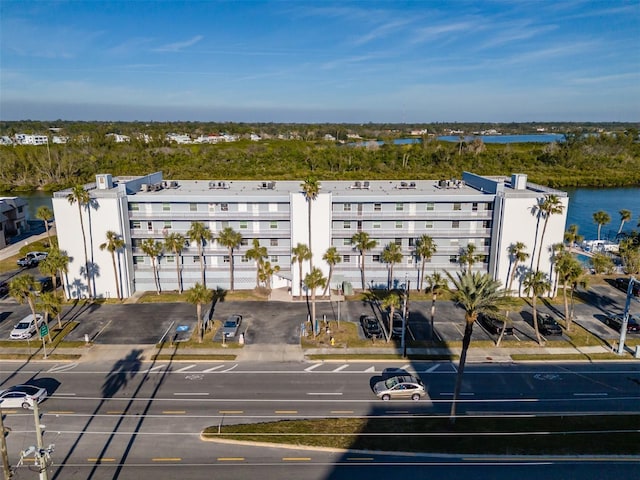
{"type": "Point", "coordinates": [182, 328]}
{"type": "Point", "coordinates": [44, 330]}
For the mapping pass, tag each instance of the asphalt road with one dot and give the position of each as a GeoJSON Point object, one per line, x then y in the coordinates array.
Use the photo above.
{"type": "Point", "coordinates": [145, 418]}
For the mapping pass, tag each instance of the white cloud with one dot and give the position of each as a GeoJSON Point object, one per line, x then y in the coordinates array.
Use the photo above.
{"type": "Point", "coordinates": [179, 46]}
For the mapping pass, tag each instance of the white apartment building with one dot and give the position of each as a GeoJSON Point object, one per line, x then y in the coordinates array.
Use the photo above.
{"type": "Point", "coordinates": [491, 213]}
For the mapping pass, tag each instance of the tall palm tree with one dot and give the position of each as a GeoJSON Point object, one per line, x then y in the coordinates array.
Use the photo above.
{"type": "Point", "coordinates": [56, 263]}
{"type": "Point", "coordinates": [363, 243]}
{"type": "Point", "coordinates": [601, 218]}
{"type": "Point", "coordinates": [477, 294]}
{"type": "Point", "coordinates": [332, 257]}
{"type": "Point", "coordinates": [80, 196]}
{"type": "Point", "coordinates": [391, 302]}
{"type": "Point", "coordinates": [114, 244]}
{"type": "Point", "coordinates": [569, 269]}
{"type": "Point", "coordinates": [391, 254]}
{"type": "Point", "coordinates": [311, 189]}
{"type": "Point", "coordinates": [231, 239]}
{"type": "Point", "coordinates": [265, 272]}
{"type": "Point", "coordinates": [200, 234]}
{"type": "Point", "coordinates": [259, 254]}
{"type": "Point", "coordinates": [198, 295]}
{"type": "Point", "coordinates": [51, 305]}
{"type": "Point", "coordinates": [153, 249]}
{"type": "Point", "coordinates": [174, 242]}
{"type": "Point", "coordinates": [537, 284]}
{"type": "Point", "coordinates": [550, 205]}
{"type": "Point", "coordinates": [425, 249]}
{"type": "Point", "coordinates": [22, 289]}
{"type": "Point", "coordinates": [435, 284]}
{"type": "Point", "coordinates": [300, 253]}
{"type": "Point", "coordinates": [314, 280]}
{"type": "Point", "coordinates": [468, 256]}
{"type": "Point", "coordinates": [625, 216]}
{"type": "Point", "coordinates": [517, 255]}
{"type": "Point", "coordinates": [45, 214]}
{"type": "Point", "coordinates": [571, 236]}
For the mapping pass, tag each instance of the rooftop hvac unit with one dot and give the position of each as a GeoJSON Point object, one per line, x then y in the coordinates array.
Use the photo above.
{"type": "Point", "coordinates": [174, 184]}
{"type": "Point", "coordinates": [271, 185]}
{"type": "Point", "coordinates": [144, 187]}
{"type": "Point", "coordinates": [212, 185]}
{"type": "Point", "coordinates": [412, 185]}
{"type": "Point", "coordinates": [365, 185]}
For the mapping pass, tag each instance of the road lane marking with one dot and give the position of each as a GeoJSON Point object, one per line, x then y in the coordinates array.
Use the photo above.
{"type": "Point", "coordinates": [370, 370]}
{"type": "Point", "coordinates": [591, 394]}
{"type": "Point", "coordinates": [324, 393]}
{"type": "Point", "coordinates": [115, 412]}
{"type": "Point", "coordinates": [174, 412]}
{"type": "Point", "coordinates": [405, 367]}
{"type": "Point", "coordinates": [312, 367]}
{"type": "Point", "coordinates": [432, 369]}
{"type": "Point", "coordinates": [360, 459]}
{"type": "Point", "coordinates": [191, 393]}
{"type": "Point", "coordinates": [166, 459]}
{"type": "Point", "coordinates": [63, 395]}
{"type": "Point", "coordinates": [286, 411]}
{"type": "Point", "coordinates": [228, 412]}
{"type": "Point", "coordinates": [345, 412]}
{"type": "Point", "coordinates": [184, 369]}
{"type": "Point", "coordinates": [102, 459]}
{"type": "Point", "coordinates": [212, 369]}
{"type": "Point", "coordinates": [231, 459]}
{"type": "Point", "coordinates": [296, 459]}
{"type": "Point", "coordinates": [61, 412]}
{"type": "Point", "coordinates": [230, 368]}
{"type": "Point", "coordinates": [340, 368]}
{"type": "Point", "coordinates": [63, 368]}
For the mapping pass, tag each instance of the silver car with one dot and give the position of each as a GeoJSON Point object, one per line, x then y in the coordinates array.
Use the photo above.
{"type": "Point", "coordinates": [27, 327]}
{"type": "Point", "coordinates": [231, 326]}
{"type": "Point", "coordinates": [22, 396]}
{"type": "Point", "coordinates": [400, 386]}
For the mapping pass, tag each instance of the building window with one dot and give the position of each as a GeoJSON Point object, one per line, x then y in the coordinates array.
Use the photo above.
{"type": "Point", "coordinates": [412, 242]}
{"type": "Point", "coordinates": [20, 209]}
{"type": "Point", "coordinates": [486, 224]}
{"type": "Point", "coordinates": [273, 224]}
{"type": "Point", "coordinates": [399, 207]}
{"type": "Point", "coordinates": [376, 225]}
{"type": "Point", "coordinates": [398, 241]}
{"type": "Point", "coordinates": [273, 242]}
{"type": "Point", "coordinates": [244, 259]}
{"type": "Point", "coordinates": [454, 242]}
{"type": "Point", "coordinates": [170, 259]}
{"type": "Point", "coordinates": [430, 207]}
{"type": "Point", "coordinates": [224, 207]}
{"type": "Point", "coordinates": [212, 207]}
{"type": "Point", "coordinates": [150, 226]}
{"type": "Point", "coordinates": [474, 207]}
{"type": "Point", "coordinates": [377, 207]}
{"type": "Point", "coordinates": [193, 207]}
{"type": "Point", "coordinates": [196, 259]}
{"type": "Point", "coordinates": [346, 258]}
{"type": "Point", "coordinates": [167, 224]}
{"type": "Point", "coordinates": [346, 224]}
{"type": "Point", "coordinates": [457, 206]}
{"type": "Point", "coordinates": [376, 258]}
{"type": "Point", "coordinates": [453, 259]}
{"type": "Point", "coordinates": [487, 242]}
{"type": "Point", "coordinates": [134, 207]}
{"type": "Point", "coordinates": [455, 224]}
{"type": "Point", "coordinates": [135, 224]}
{"type": "Point", "coordinates": [489, 206]}
{"type": "Point", "coordinates": [138, 260]}
{"type": "Point", "coordinates": [244, 242]}
{"type": "Point", "coordinates": [243, 225]}
{"type": "Point", "coordinates": [346, 241]}
{"type": "Point", "coordinates": [428, 224]}
{"type": "Point", "coordinates": [399, 224]}
{"type": "Point", "coordinates": [274, 258]}
{"type": "Point", "coordinates": [347, 207]}
{"type": "Point", "coordinates": [166, 207]}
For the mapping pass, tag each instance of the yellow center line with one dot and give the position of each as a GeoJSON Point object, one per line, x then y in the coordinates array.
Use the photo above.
{"type": "Point", "coordinates": [231, 411]}
{"type": "Point", "coordinates": [231, 459]}
{"type": "Point", "coordinates": [286, 411]}
{"type": "Point", "coordinates": [166, 459]}
{"type": "Point", "coordinates": [101, 459]}
{"type": "Point", "coordinates": [296, 459]}
{"type": "Point", "coordinates": [9, 411]}
{"type": "Point", "coordinates": [174, 412]}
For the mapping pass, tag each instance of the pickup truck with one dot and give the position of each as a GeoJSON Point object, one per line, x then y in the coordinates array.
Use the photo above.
{"type": "Point", "coordinates": [32, 259]}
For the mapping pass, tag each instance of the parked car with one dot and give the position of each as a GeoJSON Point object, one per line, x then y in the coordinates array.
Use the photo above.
{"type": "Point", "coordinates": [370, 327]}
{"type": "Point", "coordinates": [400, 386]}
{"type": "Point", "coordinates": [231, 326]}
{"type": "Point", "coordinates": [45, 285]}
{"type": "Point", "coordinates": [396, 326]}
{"type": "Point", "coordinates": [4, 289]}
{"type": "Point", "coordinates": [623, 284]}
{"type": "Point", "coordinates": [22, 396]}
{"type": "Point", "coordinates": [493, 325]}
{"type": "Point", "coordinates": [32, 259]}
{"type": "Point", "coordinates": [615, 322]}
{"type": "Point", "coordinates": [27, 327]}
{"type": "Point", "coordinates": [548, 325]}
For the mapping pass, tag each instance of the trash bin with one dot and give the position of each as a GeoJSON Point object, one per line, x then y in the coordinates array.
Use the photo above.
{"type": "Point", "coordinates": [347, 288]}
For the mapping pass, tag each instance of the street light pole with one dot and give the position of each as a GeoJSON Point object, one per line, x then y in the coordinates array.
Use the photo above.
{"type": "Point", "coordinates": [625, 317]}
{"type": "Point", "coordinates": [6, 470]}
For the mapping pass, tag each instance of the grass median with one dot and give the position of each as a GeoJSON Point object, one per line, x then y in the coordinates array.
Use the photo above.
{"type": "Point", "coordinates": [503, 435]}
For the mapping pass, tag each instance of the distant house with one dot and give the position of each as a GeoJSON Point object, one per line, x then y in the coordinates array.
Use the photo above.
{"type": "Point", "coordinates": [28, 139]}
{"type": "Point", "coordinates": [118, 138]}
{"type": "Point", "coordinates": [181, 138]}
{"type": "Point", "coordinates": [13, 218]}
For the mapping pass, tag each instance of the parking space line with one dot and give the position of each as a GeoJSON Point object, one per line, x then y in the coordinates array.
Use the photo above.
{"type": "Point", "coordinates": [312, 367]}
{"type": "Point", "coordinates": [340, 368]}
{"type": "Point", "coordinates": [184, 369]}
{"type": "Point", "coordinates": [432, 369]}
{"type": "Point", "coordinates": [370, 370]}
{"type": "Point", "coordinates": [212, 369]}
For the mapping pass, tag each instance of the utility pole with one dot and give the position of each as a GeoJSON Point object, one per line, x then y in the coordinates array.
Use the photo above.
{"type": "Point", "coordinates": [6, 470]}
{"type": "Point", "coordinates": [625, 317]}
{"type": "Point", "coordinates": [42, 455]}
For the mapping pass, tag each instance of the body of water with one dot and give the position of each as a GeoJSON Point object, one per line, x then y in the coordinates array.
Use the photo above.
{"type": "Point", "coordinates": [542, 138]}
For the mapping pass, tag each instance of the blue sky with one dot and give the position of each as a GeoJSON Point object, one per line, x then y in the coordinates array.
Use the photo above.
{"type": "Point", "coordinates": [320, 61]}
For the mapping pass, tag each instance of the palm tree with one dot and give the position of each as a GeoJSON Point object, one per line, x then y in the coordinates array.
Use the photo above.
{"type": "Point", "coordinates": [477, 294]}
{"type": "Point", "coordinates": [51, 305]}
{"type": "Point", "coordinates": [174, 242]}
{"type": "Point", "coordinates": [625, 216]}
{"type": "Point", "coordinates": [517, 254]}
{"type": "Point", "coordinates": [200, 234]}
{"type": "Point", "coordinates": [568, 269]}
{"type": "Point", "coordinates": [537, 284]}
{"type": "Point", "coordinates": [300, 253]}
{"type": "Point", "coordinates": [601, 218]}
{"type": "Point", "coordinates": [425, 249]}
{"type": "Point", "coordinates": [363, 243]}
{"type": "Point", "coordinates": [80, 196]}
{"type": "Point", "coordinates": [231, 239]}
{"type": "Point", "coordinates": [22, 289]}
{"type": "Point", "coordinates": [153, 248]}
{"type": "Point", "coordinates": [468, 256]}
{"type": "Point", "coordinates": [198, 295]}
{"type": "Point", "coordinates": [265, 272]}
{"type": "Point", "coordinates": [571, 236]}
{"type": "Point", "coordinates": [57, 262]}
{"type": "Point", "coordinates": [45, 214]}
{"type": "Point", "coordinates": [391, 254]}
{"type": "Point", "coordinates": [392, 303]}
{"type": "Point", "coordinates": [314, 280]}
{"type": "Point", "coordinates": [435, 284]}
{"type": "Point", "coordinates": [114, 244]}
{"type": "Point", "coordinates": [332, 257]}
{"type": "Point", "coordinates": [311, 189]}
{"type": "Point", "coordinates": [259, 254]}
{"type": "Point", "coordinates": [550, 205]}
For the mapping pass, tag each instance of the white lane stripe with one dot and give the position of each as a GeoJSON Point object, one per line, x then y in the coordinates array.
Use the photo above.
{"type": "Point", "coordinates": [63, 367]}
{"type": "Point", "coordinates": [451, 394]}
{"type": "Point", "coordinates": [312, 367]}
{"type": "Point", "coordinates": [191, 393]}
{"type": "Point", "coordinates": [324, 393]}
{"type": "Point", "coordinates": [212, 369]}
{"type": "Point", "coordinates": [406, 367]}
{"type": "Point", "coordinates": [591, 394]}
{"type": "Point", "coordinates": [370, 370]}
{"type": "Point", "coordinates": [184, 369]}
{"type": "Point", "coordinates": [63, 395]}
{"type": "Point", "coordinates": [432, 369]}
{"type": "Point", "coordinates": [341, 367]}
{"type": "Point", "coordinates": [230, 368]}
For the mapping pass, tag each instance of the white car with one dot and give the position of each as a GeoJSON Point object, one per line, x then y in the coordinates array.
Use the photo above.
{"type": "Point", "coordinates": [22, 396]}
{"type": "Point", "coordinates": [27, 327]}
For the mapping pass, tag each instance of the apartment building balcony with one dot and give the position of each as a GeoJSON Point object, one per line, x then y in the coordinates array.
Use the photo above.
{"type": "Point", "coordinates": [403, 233]}
{"type": "Point", "coordinates": [407, 215]}
{"type": "Point", "coordinates": [246, 233]}
{"type": "Point", "coordinates": [202, 216]}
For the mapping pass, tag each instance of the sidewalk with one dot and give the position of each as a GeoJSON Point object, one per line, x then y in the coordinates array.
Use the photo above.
{"type": "Point", "coordinates": [14, 248]}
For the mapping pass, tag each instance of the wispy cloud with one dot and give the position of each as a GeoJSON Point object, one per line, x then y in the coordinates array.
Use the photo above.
{"type": "Point", "coordinates": [381, 32]}
{"type": "Point", "coordinates": [445, 29]}
{"type": "Point", "coordinates": [605, 79]}
{"type": "Point", "coordinates": [515, 34]}
{"type": "Point", "coordinates": [179, 46]}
